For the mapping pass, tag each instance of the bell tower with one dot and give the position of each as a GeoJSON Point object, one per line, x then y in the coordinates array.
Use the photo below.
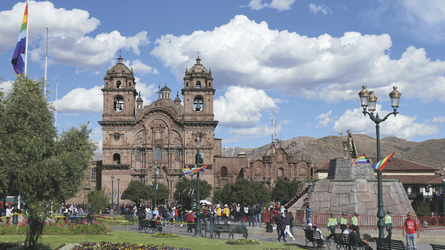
{"type": "Point", "coordinates": [119, 94]}
{"type": "Point", "coordinates": [198, 93]}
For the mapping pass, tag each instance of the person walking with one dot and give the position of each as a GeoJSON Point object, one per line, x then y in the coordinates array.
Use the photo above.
{"type": "Point", "coordinates": [218, 213]}
{"type": "Point", "coordinates": [190, 221]}
{"type": "Point", "coordinates": [343, 222]}
{"type": "Point", "coordinates": [354, 222]}
{"type": "Point", "coordinates": [410, 227]}
{"type": "Point", "coordinates": [281, 224]}
{"type": "Point", "coordinates": [388, 224]}
{"type": "Point", "coordinates": [332, 223]}
{"type": "Point", "coordinates": [258, 211]}
{"type": "Point", "coordinates": [287, 227]}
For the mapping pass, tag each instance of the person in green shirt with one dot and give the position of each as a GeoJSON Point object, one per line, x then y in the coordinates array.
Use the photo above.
{"type": "Point", "coordinates": [343, 222]}
{"type": "Point", "coordinates": [388, 224]}
{"type": "Point", "coordinates": [354, 222]}
{"type": "Point", "coordinates": [332, 223]}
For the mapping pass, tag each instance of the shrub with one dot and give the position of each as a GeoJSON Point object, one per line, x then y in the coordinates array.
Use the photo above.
{"type": "Point", "coordinates": [165, 235]}
{"type": "Point", "coordinates": [120, 245]}
{"type": "Point", "coordinates": [243, 241]}
{"type": "Point", "coordinates": [58, 228]}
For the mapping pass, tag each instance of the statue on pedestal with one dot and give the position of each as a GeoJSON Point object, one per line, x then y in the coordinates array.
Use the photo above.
{"type": "Point", "coordinates": [349, 148]}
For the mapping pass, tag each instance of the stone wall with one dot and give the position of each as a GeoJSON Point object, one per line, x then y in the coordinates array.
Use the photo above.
{"type": "Point", "coordinates": [357, 196]}
{"type": "Point", "coordinates": [342, 169]}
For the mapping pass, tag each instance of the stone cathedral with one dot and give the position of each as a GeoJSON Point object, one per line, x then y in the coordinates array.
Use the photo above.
{"type": "Point", "coordinates": [138, 139]}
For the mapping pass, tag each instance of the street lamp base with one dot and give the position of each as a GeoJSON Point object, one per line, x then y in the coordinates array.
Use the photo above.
{"type": "Point", "coordinates": [198, 232]}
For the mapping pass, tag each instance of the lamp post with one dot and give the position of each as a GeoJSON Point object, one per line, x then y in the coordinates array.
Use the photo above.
{"type": "Point", "coordinates": [198, 232]}
{"type": "Point", "coordinates": [112, 192]}
{"type": "Point", "coordinates": [181, 192]}
{"type": "Point", "coordinates": [369, 99]}
{"type": "Point", "coordinates": [156, 184]}
{"type": "Point", "coordinates": [443, 192]}
{"type": "Point", "coordinates": [118, 194]}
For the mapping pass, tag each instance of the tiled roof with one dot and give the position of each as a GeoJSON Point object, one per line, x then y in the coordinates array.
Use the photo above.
{"type": "Point", "coordinates": [395, 165]}
{"type": "Point", "coordinates": [416, 179]}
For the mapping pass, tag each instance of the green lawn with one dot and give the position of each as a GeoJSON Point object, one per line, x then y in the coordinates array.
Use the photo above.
{"type": "Point", "coordinates": [53, 241]}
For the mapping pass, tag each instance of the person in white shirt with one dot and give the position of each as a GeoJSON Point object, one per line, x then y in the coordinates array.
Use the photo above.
{"type": "Point", "coordinates": [8, 214]}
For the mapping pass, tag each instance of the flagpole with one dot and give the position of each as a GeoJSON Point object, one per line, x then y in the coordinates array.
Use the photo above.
{"type": "Point", "coordinates": [27, 38]}
{"type": "Point", "coordinates": [46, 61]}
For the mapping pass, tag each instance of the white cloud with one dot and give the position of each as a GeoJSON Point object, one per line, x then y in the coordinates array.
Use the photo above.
{"type": "Point", "coordinates": [400, 126]}
{"type": "Point", "coordinates": [6, 87]}
{"type": "Point", "coordinates": [324, 119]}
{"type": "Point", "coordinates": [279, 5]}
{"type": "Point", "coordinates": [438, 120]}
{"type": "Point", "coordinates": [327, 68]}
{"type": "Point", "coordinates": [68, 40]}
{"type": "Point", "coordinates": [323, 9]}
{"type": "Point", "coordinates": [423, 19]}
{"type": "Point", "coordinates": [241, 107]}
{"type": "Point", "coordinates": [139, 67]}
{"type": "Point", "coordinates": [81, 100]}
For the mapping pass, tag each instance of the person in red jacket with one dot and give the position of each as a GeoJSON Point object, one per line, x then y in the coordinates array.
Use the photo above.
{"type": "Point", "coordinates": [190, 221]}
{"type": "Point", "coordinates": [410, 227]}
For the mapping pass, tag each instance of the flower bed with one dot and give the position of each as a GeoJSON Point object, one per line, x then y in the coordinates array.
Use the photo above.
{"type": "Point", "coordinates": [165, 235]}
{"type": "Point", "coordinates": [124, 245]}
{"type": "Point", "coordinates": [243, 241]}
{"type": "Point", "coordinates": [58, 228]}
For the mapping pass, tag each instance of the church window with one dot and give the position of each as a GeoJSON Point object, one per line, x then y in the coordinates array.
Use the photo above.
{"type": "Point", "coordinates": [116, 159]}
{"type": "Point", "coordinates": [93, 174]}
{"type": "Point", "coordinates": [106, 84]}
{"type": "Point", "coordinates": [186, 84]}
{"type": "Point", "coordinates": [177, 153]}
{"type": "Point", "coordinates": [129, 84]}
{"type": "Point", "coordinates": [198, 85]}
{"type": "Point", "coordinates": [118, 103]}
{"type": "Point", "coordinates": [117, 136]}
{"type": "Point", "coordinates": [198, 104]}
{"type": "Point", "coordinates": [201, 159]}
{"type": "Point", "coordinates": [210, 84]}
{"type": "Point", "coordinates": [223, 172]}
{"type": "Point", "coordinates": [118, 84]}
{"type": "Point", "coordinates": [158, 153]}
{"type": "Point", "coordinates": [138, 152]}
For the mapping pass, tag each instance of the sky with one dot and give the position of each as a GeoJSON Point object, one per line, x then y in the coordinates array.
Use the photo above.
{"type": "Point", "coordinates": [300, 61]}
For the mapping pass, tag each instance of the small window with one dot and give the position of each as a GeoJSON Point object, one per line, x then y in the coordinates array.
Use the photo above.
{"type": "Point", "coordinates": [177, 153]}
{"type": "Point", "coordinates": [158, 153]}
{"type": "Point", "coordinates": [187, 84]}
{"type": "Point", "coordinates": [106, 84]}
{"type": "Point", "coordinates": [223, 172]}
{"type": "Point", "coordinates": [210, 84]}
{"type": "Point", "coordinates": [129, 84]}
{"type": "Point", "coordinates": [118, 84]}
{"type": "Point", "coordinates": [198, 85]}
{"type": "Point", "coordinates": [93, 174]}
{"type": "Point", "coordinates": [138, 152]}
{"type": "Point", "coordinates": [116, 159]}
{"type": "Point", "coordinates": [119, 103]}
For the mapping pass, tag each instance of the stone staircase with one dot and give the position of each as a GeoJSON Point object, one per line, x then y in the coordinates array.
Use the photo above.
{"type": "Point", "coordinates": [296, 198]}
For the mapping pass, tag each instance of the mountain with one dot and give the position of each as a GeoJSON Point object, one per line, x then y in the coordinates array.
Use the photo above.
{"type": "Point", "coordinates": [430, 153]}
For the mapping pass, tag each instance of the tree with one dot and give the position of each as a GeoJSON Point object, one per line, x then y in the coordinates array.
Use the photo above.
{"type": "Point", "coordinates": [39, 165]}
{"type": "Point", "coordinates": [137, 191]}
{"type": "Point", "coordinates": [98, 200]}
{"type": "Point", "coordinates": [285, 190]}
{"type": "Point", "coordinates": [243, 191]}
{"type": "Point", "coordinates": [189, 185]}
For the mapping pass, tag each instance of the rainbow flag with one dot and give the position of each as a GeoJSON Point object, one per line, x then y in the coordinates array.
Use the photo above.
{"type": "Point", "coordinates": [437, 193]}
{"type": "Point", "coordinates": [382, 163]}
{"type": "Point", "coordinates": [156, 187]}
{"type": "Point", "coordinates": [361, 160]}
{"type": "Point", "coordinates": [186, 170]}
{"type": "Point", "coordinates": [18, 58]}
{"type": "Point", "coordinates": [151, 185]}
{"type": "Point", "coordinates": [193, 192]}
{"type": "Point", "coordinates": [202, 168]}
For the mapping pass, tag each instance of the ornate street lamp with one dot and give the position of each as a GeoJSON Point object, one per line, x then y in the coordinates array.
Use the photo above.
{"type": "Point", "coordinates": [112, 192]}
{"type": "Point", "coordinates": [368, 101]}
{"type": "Point", "coordinates": [118, 194]}
{"type": "Point", "coordinates": [156, 184]}
{"type": "Point", "coordinates": [198, 232]}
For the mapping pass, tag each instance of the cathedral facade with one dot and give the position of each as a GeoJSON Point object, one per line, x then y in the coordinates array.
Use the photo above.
{"type": "Point", "coordinates": [155, 142]}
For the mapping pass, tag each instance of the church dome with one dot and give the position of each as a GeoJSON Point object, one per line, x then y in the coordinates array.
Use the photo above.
{"type": "Point", "coordinates": [198, 67]}
{"type": "Point", "coordinates": [119, 68]}
{"type": "Point", "coordinates": [165, 88]}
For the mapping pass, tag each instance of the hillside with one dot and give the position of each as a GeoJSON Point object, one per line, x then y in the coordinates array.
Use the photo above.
{"type": "Point", "coordinates": [430, 153]}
